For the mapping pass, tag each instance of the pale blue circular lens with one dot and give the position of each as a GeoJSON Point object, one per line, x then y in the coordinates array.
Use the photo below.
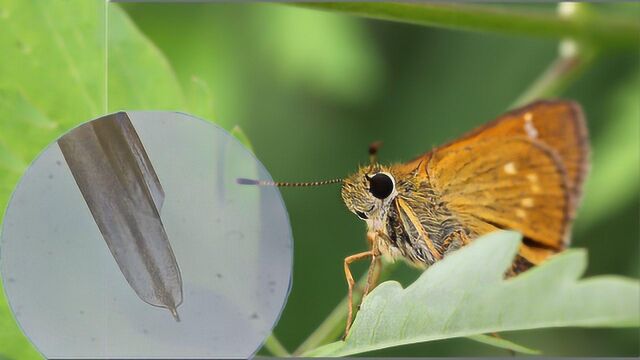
{"type": "Point", "coordinates": [232, 245]}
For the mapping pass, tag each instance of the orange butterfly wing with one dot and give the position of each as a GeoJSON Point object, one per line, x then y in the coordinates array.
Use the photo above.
{"type": "Point", "coordinates": [512, 183]}
{"type": "Point", "coordinates": [523, 171]}
{"type": "Point", "coordinates": [558, 124]}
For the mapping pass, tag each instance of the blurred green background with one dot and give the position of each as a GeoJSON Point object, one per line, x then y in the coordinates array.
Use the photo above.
{"type": "Point", "coordinates": [311, 90]}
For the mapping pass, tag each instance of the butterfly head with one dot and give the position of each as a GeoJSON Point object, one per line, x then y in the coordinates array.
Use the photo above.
{"type": "Point", "coordinates": [368, 192]}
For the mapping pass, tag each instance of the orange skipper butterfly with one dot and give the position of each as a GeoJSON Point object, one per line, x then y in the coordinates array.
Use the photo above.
{"type": "Point", "coordinates": [523, 171]}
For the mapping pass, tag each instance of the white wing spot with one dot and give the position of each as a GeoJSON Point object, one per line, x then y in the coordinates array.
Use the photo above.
{"type": "Point", "coordinates": [521, 213]}
{"type": "Point", "coordinates": [532, 177]}
{"type": "Point", "coordinates": [510, 168]}
{"type": "Point", "coordinates": [531, 130]}
{"type": "Point", "coordinates": [527, 202]}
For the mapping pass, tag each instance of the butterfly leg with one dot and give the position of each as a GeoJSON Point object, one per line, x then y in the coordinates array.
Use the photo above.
{"type": "Point", "coordinates": [347, 261]}
{"type": "Point", "coordinates": [374, 268]}
{"type": "Point", "coordinates": [454, 241]}
{"type": "Point", "coordinates": [372, 275]}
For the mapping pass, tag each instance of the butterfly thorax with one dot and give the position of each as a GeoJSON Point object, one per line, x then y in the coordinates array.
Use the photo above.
{"type": "Point", "coordinates": [419, 224]}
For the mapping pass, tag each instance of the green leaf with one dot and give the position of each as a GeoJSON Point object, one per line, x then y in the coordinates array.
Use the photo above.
{"type": "Point", "coordinates": [466, 294]}
{"type": "Point", "coordinates": [23, 134]}
{"type": "Point", "coordinates": [53, 54]}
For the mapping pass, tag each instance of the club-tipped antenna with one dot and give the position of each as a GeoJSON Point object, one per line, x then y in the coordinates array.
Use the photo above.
{"type": "Point", "coordinates": [243, 181]}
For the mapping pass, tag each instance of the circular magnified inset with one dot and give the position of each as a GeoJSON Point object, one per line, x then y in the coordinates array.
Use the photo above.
{"type": "Point", "coordinates": [130, 237]}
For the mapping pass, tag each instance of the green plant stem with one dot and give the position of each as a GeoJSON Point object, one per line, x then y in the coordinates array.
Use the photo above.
{"type": "Point", "coordinates": [333, 325]}
{"type": "Point", "coordinates": [275, 347]}
{"type": "Point", "coordinates": [561, 73]}
{"type": "Point", "coordinates": [603, 31]}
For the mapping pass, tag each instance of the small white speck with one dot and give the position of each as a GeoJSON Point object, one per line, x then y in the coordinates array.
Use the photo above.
{"type": "Point", "coordinates": [527, 202]}
{"type": "Point", "coordinates": [568, 48]}
{"type": "Point", "coordinates": [521, 213]}
{"type": "Point", "coordinates": [531, 130]}
{"type": "Point", "coordinates": [532, 177]}
{"type": "Point", "coordinates": [510, 168]}
{"type": "Point", "coordinates": [567, 8]}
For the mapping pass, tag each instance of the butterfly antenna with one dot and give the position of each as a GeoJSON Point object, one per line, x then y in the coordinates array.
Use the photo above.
{"type": "Point", "coordinates": [373, 152]}
{"type": "Point", "coordinates": [243, 181]}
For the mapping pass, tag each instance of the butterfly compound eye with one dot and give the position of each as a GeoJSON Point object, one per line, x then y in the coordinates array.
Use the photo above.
{"type": "Point", "coordinates": [380, 185]}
